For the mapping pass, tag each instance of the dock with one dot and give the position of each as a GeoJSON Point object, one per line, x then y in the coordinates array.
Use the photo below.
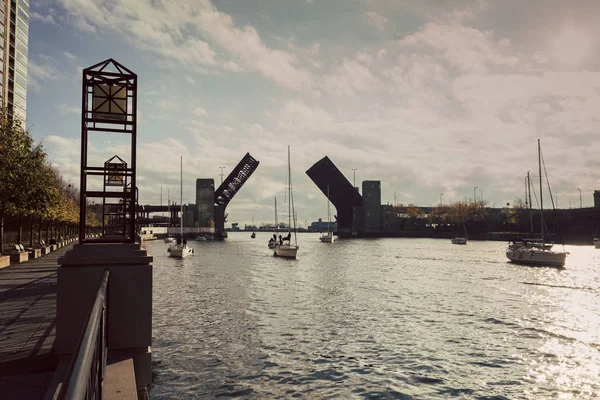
{"type": "Point", "coordinates": [28, 326]}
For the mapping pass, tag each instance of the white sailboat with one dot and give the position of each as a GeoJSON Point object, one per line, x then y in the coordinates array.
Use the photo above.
{"type": "Point", "coordinates": [273, 241]}
{"type": "Point", "coordinates": [286, 248]}
{"type": "Point", "coordinates": [328, 237]}
{"type": "Point", "coordinates": [181, 250]}
{"type": "Point", "coordinates": [460, 239]}
{"type": "Point", "coordinates": [537, 255]}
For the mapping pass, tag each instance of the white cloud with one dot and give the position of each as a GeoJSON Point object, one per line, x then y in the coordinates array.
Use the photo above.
{"type": "Point", "coordinates": [199, 111]}
{"type": "Point", "coordinates": [377, 20]}
{"type": "Point", "coordinates": [39, 73]}
{"type": "Point", "coordinates": [48, 18]}
{"type": "Point", "coordinates": [181, 31]}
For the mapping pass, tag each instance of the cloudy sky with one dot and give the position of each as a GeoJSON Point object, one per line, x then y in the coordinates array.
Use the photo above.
{"type": "Point", "coordinates": [427, 96]}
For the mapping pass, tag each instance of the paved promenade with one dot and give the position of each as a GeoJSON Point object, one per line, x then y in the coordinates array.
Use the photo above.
{"type": "Point", "coordinates": [28, 326]}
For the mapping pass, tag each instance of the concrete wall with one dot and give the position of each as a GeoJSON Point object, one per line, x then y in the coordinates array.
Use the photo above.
{"type": "Point", "coordinates": [371, 192]}
{"type": "Point", "coordinates": [205, 202]}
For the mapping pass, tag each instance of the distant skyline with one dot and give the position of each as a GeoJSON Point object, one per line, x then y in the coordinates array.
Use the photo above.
{"type": "Point", "coordinates": [429, 97]}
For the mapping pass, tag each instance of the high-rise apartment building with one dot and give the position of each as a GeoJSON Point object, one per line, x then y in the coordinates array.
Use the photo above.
{"type": "Point", "coordinates": [14, 39]}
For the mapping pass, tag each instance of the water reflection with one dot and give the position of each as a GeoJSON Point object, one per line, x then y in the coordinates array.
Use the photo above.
{"type": "Point", "coordinates": [374, 318]}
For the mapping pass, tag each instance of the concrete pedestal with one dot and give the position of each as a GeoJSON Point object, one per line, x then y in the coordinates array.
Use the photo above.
{"type": "Point", "coordinates": [18, 257]}
{"type": "Point", "coordinates": [129, 299]}
{"type": "Point", "coordinates": [35, 253]}
{"type": "Point", "coordinates": [45, 250]}
{"type": "Point", "coordinates": [53, 247]}
{"type": "Point", "coordinates": [4, 261]}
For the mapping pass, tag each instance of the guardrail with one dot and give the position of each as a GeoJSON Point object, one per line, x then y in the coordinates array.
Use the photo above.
{"type": "Point", "coordinates": [88, 365]}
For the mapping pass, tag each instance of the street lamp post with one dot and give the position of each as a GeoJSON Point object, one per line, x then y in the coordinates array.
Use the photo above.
{"type": "Point", "coordinates": [475, 194]}
{"type": "Point", "coordinates": [481, 195]}
{"type": "Point", "coordinates": [442, 199]}
{"type": "Point", "coordinates": [354, 177]}
{"type": "Point", "coordinates": [580, 203]}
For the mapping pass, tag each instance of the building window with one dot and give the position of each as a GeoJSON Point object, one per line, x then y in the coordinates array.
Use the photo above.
{"type": "Point", "coordinates": [22, 48]}
{"type": "Point", "coordinates": [20, 57]}
{"type": "Point", "coordinates": [22, 69]}
{"type": "Point", "coordinates": [23, 26]}
{"type": "Point", "coordinates": [23, 15]}
{"type": "Point", "coordinates": [20, 80]}
{"type": "Point", "coordinates": [25, 5]}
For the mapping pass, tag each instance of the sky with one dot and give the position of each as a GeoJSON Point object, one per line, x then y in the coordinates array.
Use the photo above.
{"type": "Point", "coordinates": [428, 97]}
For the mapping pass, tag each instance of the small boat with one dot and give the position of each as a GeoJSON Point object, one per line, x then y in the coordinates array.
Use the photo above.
{"type": "Point", "coordinates": [459, 240]}
{"type": "Point", "coordinates": [537, 253]}
{"type": "Point", "coordinates": [169, 239]}
{"type": "Point", "coordinates": [253, 235]}
{"type": "Point", "coordinates": [181, 249]}
{"type": "Point", "coordinates": [200, 238]}
{"type": "Point", "coordinates": [328, 236]}
{"type": "Point", "coordinates": [286, 248]}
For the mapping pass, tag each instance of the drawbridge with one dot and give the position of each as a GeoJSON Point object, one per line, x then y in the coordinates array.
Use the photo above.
{"type": "Point", "coordinates": [342, 194]}
{"type": "Point", "coordinates": [230, 186]}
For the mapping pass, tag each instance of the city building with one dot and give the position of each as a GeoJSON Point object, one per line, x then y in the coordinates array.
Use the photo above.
{"type": "Point", "coordinates": [14, 34]}
{"type": "Point", "coordinates": [205, 202]}
{"type": "Point", "coordinates": [322, 226]}
{"type": "Point", "coordinates": [371, 193]}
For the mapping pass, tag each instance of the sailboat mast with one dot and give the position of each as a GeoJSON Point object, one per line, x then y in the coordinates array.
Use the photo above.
{"type": "Point", "coordinates": [289, 193]}
{"type": "Point", "coordinates": [528, 193]}
{"type": "Point", "coordinates": [328, 212]}
{"type": "Point", "coordinates": [541, 194]}
{"type": "Point", "coordinates": [181, 197]}
{"type": "Point", "coordinates": [168, 211]}
{"type": "Point", "coordinates": [276, 222]}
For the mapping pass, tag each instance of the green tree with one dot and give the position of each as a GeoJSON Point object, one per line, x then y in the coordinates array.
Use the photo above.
{"type": "Point", "coordinates": [19, 160]}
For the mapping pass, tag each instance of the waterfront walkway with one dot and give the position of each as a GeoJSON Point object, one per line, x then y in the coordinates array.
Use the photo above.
{"type": "Point", "coordinates": [28, 326]}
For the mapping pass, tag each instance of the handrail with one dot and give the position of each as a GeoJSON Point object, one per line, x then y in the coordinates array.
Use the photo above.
{"type": "Point", "coordinates": [91, 347]}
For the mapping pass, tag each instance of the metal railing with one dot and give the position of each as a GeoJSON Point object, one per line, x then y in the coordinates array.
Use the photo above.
{"type": "Point", "coordinates": [88, 365]}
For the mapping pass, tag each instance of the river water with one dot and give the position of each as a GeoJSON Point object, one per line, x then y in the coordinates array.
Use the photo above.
{"type": "Point", "coordinates": [373, 318]}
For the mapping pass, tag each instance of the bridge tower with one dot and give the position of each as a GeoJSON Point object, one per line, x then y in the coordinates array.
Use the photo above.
{"type": "Point", "coordinates": [230, 186]}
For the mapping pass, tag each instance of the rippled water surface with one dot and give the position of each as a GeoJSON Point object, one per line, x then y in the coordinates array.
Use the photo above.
{"type": "Point", "coordinates": [382, 318]}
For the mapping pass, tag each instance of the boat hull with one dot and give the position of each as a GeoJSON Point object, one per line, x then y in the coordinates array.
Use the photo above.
{"type": "Point", "coordinates": [327, 239]}
{"type": "Point", "coordinates": [180, 251]}
{"type": "Point", "coordinates": [537, 257]}
{"type": "Point", "coordinates": [286, 251]}
{"type": "Point", "coordinates": [459, 240]}
{"type": "Point", "coordinates": [169, 240]}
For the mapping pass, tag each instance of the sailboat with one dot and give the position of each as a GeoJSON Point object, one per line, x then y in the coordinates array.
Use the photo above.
{"type": "Point", "coordinates": [253, 233]}
{"type": "Point", "coordinates": [169, 238]}
{"type": "Point", "coordinates": [273, 241]}
{"type": "Point", "coordinates": [531, 242]}
{"type": "Point", "coordinates": [181, 249]}
{"type": "Point", "coordinates": [328, 237]}
{"type": "Point", "coordinates": [286, 248]}
{"type": "Point", "coordinates": [460, 239]}
{"type": "Point", "coordinates": [539, 254]}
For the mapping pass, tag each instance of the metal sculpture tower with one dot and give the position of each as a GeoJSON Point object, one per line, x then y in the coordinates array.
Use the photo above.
{"type": "Point", "coordinates": [109, 105]}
